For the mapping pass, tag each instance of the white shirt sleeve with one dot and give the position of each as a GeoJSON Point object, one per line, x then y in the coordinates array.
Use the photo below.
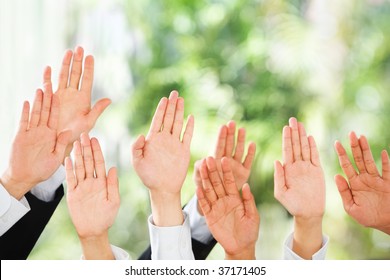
{"type": "Point", "coordinates": [199, 229]}
{"type": "Point", "coordinates": [119, 253]}
{"type": "Point", "coordinates": [289, 254]}
{"type": "Point", "coordinates": [12, 210]}
{"type": "Point", "coordinates": [171, 243]}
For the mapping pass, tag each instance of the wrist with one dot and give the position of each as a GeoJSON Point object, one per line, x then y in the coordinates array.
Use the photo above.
{"type": "Point", "coordinates": [308, 222]}
{"type": "Point", "coordinates": [16, 188]}
{"type": "Point", "coordinates": [96, 247]}
{"type": "Point", "coordinates": [166, 209]}
{"type": "Point", "coordinates": [307, 238]}
{"type": "Point", "coordinates": [248, 254]}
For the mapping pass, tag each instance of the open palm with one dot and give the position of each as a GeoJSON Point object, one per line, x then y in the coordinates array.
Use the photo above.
{"type": "Point", "coordinates": [37, 151]}
{"type": "Point", "coordinates": [233, 221]}
{"type": "Point", "coordinates": [93, 198]}
{"type": "Point", "coordinates": [366, 194]}
{"type": "Point", "coordinates": [225, 148]}
{"type": "Point", "coordinates": [74, 94]}
{"type": "Point", "coordinates": [299, 183]}
{"type": "Point", "coordinates": [161, 159]}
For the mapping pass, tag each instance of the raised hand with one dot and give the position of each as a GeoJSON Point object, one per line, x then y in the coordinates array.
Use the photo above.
{"type": "Point", "coordinates": [299, 186]}
{"type": "Point", "coordinates": [74, 92]}
{"type": "Point", "coordinates": [38, 148]}
{"type": "Point", "coordinates": [225, 148]}
{"type": "Point", "coordinates": [93, 198]}
{"type": "Point", "coordinates": [233, 220]}
{"type": "Point", "coordinates": [161, 159]}
{"type": "Point", "coordinates": [366, 194]}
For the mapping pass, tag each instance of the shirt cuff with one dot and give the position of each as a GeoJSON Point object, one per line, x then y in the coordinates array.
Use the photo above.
{"type": "Point", "coordinates": [171, 243]}
{"type": "Point", "coordinates": [289, 254]}
{"type": "Point", "coordinates": [11, 211]}
{"type": "Point", "coordinates": [46, 190]}
{"type": "Point", "coordinates": [119, 253]}
{"type": "Point", "coordinates": [199, 229]}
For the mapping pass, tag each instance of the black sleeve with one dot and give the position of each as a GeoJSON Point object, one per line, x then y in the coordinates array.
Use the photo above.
{"type": "Point", "coordinates": [200, 250]}
{"type": "Point", "coordinates": [19, 240]}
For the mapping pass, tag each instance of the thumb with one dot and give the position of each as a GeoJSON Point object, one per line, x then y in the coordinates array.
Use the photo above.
{"type": "Point", "coordinates": [345, 192]}
{"type": "Point", "coordinates": [63, 140]}
{"type": "Point", "coordinates": [98, 109]}
{"type": "Point", "coordinates": [279, 180]}
{"type": "Point", "coordinates": [196, 174]}
{"type": "Point", "coordinates": [113, 186]}
{"type": "Point", "coordinates": [203, 203]}
{"type": "Point", "coordinates": [249, 203]}
{"type": "Point", "coordinates": [137, 149]}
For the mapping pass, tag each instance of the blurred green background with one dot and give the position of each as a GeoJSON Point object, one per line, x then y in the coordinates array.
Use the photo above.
{"type": "Point", "coordinates": [256, 62]}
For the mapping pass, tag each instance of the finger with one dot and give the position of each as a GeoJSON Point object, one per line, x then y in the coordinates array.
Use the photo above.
{"type": "Point", "coordinates": [296, 143]}
{"type": "Point", "coordinates": [78, 162]}
{"type": "Point", "coordinates": [76, 70]}
{"type": "Point", "coordinates": [113, 186]}
{"type": "Point", "coordinates": [240, 148]}
{"type": "Point", "coordinates": [187, 136]}
{"type": "Point", "coordinates": [221, 142]}
{"type": "Point", "coordinates": [249, 202]}
{"type": "Point", "coordinates": [169, 115]}
{"type": "Point", "coordinates": [345, 192]}
{"type": "Point", "coordinates": [314, 155]}
{"type": "Point", "coordinates": [202, 200]}
{"type": "Point", "coordinates": [385, 165]}
{"type": "Point", "coordinates": [288, 156]}
{"type": "Point", "coordinates": [158, 117]}
{"type": "Point", "coordinates": [208, 189]}
{"type": "Point", "coordinates": [87, 80]}
{"type": "Point", "coordinates": [305, 149]}
{"type": "Point", "coordinates": [46, 105]}
{"type": "Point", "coordinates": [369, 161]}
{"type": "Point", "coordinates": [54, 112]}
{"type": "Point", "coordinates": [228, 178]}
{"type": "Point", "coordinates": [70, 178]}
{"type": "Point", "coordinates": [279, 180]}
{"type": "Point", "coordinates": [250, 155]}
{"type": "Point", "coordinates": [63, 140]}
{"type": "Point", "coordinates": [36, 109]}
{"type": "Point", "coordinates": [137, 148]}
{"type": "Point", "coordinates": [64, 72]}
{"type": "Point", "coordinates": [23, 124]}
{"type": "Point", "coordinates": [213, 175]}
{"type": "Point", "coordinates": [179, 116]}
{"type": "Point", "coordinates": [87, 155]}
{"type": "Point", "coordinates": [47, 75]}
{"type": "Point", "coordinates": [344, 161]}
{"type": "Point", "coordinates": [357, 152]}
{"type": "Point", "coordinates": [231, 131]}
{"type": "Point", "coordinates": [98, 159]}
{"type": "Point", "coordinates": [97, 110]}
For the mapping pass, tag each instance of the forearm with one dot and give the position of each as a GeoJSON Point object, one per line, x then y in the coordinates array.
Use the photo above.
{"type": "Point", "coordinates": [248, 254]}
{"type": "Point", "coordinates": [97, 247]}
{"type": "Point", "coordinates": [307, 236]}
{"type": "Point", "coordinates": [166, 209]}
